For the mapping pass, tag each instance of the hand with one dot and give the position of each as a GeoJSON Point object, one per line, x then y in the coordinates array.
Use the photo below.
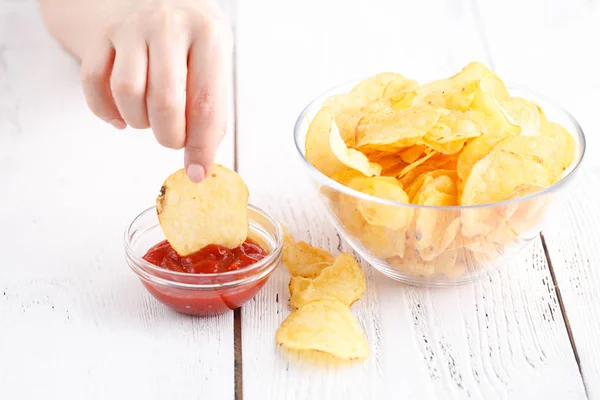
{"type": "Point", "coordinates": [164, 64]}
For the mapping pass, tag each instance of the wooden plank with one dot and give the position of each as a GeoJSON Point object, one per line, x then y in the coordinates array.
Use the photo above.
{"type": "Point", "coordinates": [500, 337]}
{"type": "Point", "coordinates": [554, 56]}
{"type": "Point", "coordinates": [74, 320]}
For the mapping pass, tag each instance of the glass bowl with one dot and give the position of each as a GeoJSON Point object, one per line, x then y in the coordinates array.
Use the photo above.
{"type": "Point", "coordinates": [203, 294]}
{"type": "Point", "coordinates": [442, 246]}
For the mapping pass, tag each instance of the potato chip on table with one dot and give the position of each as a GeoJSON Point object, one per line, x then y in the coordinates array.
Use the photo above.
{"type": "Point", "coordinates": [322, 294]}
{"type": "Point", "coordinates": [343, 280]}
{"type": "Point", "coordinates": [324, 325]}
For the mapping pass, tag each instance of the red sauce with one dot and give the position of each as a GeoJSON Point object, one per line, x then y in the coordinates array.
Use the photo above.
{"type": "Point", "coordinates": [211, 259]}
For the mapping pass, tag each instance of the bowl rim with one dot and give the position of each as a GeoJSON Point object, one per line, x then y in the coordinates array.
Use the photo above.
{"type": "Point", "coordinates": [324, 179]}
{"type": "Point", "coordinates": [248, 274]}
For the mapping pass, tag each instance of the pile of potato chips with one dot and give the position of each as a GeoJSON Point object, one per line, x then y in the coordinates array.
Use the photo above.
{"type": "Point", "coordinates": [461, 141]}
{"type": "Point", "coordinates": [322, 289]}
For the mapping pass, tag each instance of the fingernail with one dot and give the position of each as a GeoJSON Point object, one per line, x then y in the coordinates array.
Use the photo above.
{"type": "Point", "coordinates": [195, 172]}
{"type": "Point", "coordinates": [118, 123]}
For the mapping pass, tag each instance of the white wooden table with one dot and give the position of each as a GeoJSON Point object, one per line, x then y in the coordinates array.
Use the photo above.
{"type": "Point", "coordinates": [76, 324]}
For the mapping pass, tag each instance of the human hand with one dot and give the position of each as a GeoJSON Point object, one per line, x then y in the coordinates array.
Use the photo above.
{"type": "Point", "coordinates": [164, 64]}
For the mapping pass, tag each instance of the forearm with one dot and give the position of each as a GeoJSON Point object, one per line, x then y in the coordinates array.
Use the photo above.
{"type": "Point", "coordinates": [75, 23]}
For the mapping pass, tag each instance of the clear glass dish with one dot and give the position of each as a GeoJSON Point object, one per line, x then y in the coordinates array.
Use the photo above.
{"type": "Point", "coordinates": [488, 236]}
{"type": "Point", "coordinates": [203, 294]}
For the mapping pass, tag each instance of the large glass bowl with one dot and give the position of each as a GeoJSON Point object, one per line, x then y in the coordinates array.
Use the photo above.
{"type": "Point", "coordinates": [443, 245]}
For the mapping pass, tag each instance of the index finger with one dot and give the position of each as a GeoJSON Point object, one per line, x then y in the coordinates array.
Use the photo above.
{"type": "Point", "coordinates": [209, 72]}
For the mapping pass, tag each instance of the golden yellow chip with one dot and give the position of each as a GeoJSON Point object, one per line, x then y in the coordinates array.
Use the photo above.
{"type": "Point", "coordinates": [214, 211]}
{"type": "Point", "coordinates": [477, 72]}
{"type": "Point", "coordinates": [390, 216]}
{"type": "Point", "coordinates": [475, 151]}
{"type": "Point", "coordinates": [404, 127]}
{"type": "Point", "coordinates": [400, 92]}
{"type": "Point", "coordinates": [318, 149]}
{"type": "Point", "coordinates": [349, 157]}
{"type": "Point", "coordinates": [450, 133]}
{"type": "Point", "coordinates": [486, 103]}
{"type": "Point", "coordinates": [381, 241]}
{"type": "Point", "coordinates": [458, 91]}
{"type": "Point", "coordinates": [495, 177]}
{"type": "Point", "coordinates": [324, 325]}
{"type": "Point", "coordinates": [412, 153]}
{"type": "Point", "coordinates": [524, 113]}
{"type": "Point", "coordinates": [417, 184]}
{"type": "Point", "coordinates": [565, 140]}
{"type": "Point", "coordinates": [428, 154]}
{"type": "Point", "coordinates": [373, 88]}
{"type": "Point", "coordinates": [302, 259]}
{"type": "Point", "coordinates": [343, 280]}
{"type": "Point", "coordinates": [543, 147]}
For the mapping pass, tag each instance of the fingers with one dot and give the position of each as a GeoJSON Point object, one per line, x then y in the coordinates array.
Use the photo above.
{"type": "Point", "coordinates": [128, 80]}
{"type": "Point", "coordinates": [96, 70]}
{"type": "Point", "coordinates": [167, 75]}
{"type": "Point", "coordinates": [209, 65]}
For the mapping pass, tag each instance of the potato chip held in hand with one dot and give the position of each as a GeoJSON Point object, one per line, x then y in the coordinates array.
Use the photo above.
{"type": "Point", "coordinates": [214, 211]}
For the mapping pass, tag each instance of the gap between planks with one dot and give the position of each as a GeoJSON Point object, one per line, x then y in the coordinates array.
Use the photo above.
{"type": "Point", "coordinates": [563, 311]}
{"type": "Point", "coordinates": [237, 313]}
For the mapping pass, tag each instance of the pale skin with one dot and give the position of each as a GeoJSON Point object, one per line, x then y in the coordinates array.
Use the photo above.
{"type": "Point", "coordinates": [159, 64]}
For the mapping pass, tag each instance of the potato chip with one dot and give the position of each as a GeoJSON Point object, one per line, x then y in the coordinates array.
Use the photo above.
{"type": "Point", "coordinates": [390, 216]}
{"type": "Point", "coordinates": [417, 184]}
{"type": "Point", "coordinates": [495, 177]}
{"type": "Point", "coordinates": [318, 149]}
{"type": "Point", "coordinates": [543, 147]}
{"type": "Point", "coordinates": [428, 154]}
{"type": "Point", "coordinates": [458, 91]}
{"type": "Point", "coordinates": [298, 284]}
{"type": "Point", "coordinates": [381, 107]}
{"type": "Point", "coordinates": [194, 215]}
{"type": "Point", "coordinates": [348, 215]}
{"type": "Point", "coordinates": [343, 281]}
{"type": "Point", "coordinates": [435, 228]}
{"type": "Point", "coordinates": [373, 88]}
{"type": "Point", "coordinates": [450, 133]}
{"type": "Point", "coordinates": [402, 128]}
{"type": "Point", "coordinates": [565, 140]}
{"type": "Point", "coordinates": [391, 164]}
{"type": "Point", "coordinates": [526, 114]}
{"type": "Point", "coordinates": [474, 152]}
{"type": "Point", "coordinates": [324, 325]}
{"type": "Point", "coordinates": [381, 241]}
{"type": "Point", "coordinates": [302, 259]}
{"type": "Point", "coordinates": [349, 157]}
{"type": "Point", "coordinates": [486, 103]}
{"type": "Point", "coordinates": [475, 71]}
{"type": "Point", "coordinates": [400, 92]}
{"type": "Point", "coordinates": [412, 153]}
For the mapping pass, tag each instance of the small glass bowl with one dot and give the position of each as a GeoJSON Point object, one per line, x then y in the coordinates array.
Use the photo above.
{"type": "Point", "coordinates": [442, 246]}
{"type": "Point", "coordinates": [203, 294]}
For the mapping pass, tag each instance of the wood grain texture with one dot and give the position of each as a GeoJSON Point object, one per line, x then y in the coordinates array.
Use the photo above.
{"type": "Point", "coordinates": [75, 322]}
{"type": "Point", "coordinates": [555, 57]}
{"type": "Point", "coordinates": [502, 337]}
